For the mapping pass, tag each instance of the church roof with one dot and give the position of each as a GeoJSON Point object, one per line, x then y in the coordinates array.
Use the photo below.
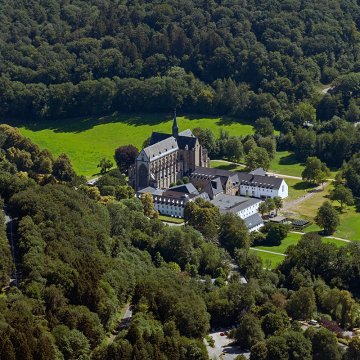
{"type": "Point", "coordinates": [157, 137]}
{"type": "Point", "coordinates": [186, 141]}
{"type": "Point", "coordinates": [186, 132]}
{"type": "Point", "coordinates": [162, 148]}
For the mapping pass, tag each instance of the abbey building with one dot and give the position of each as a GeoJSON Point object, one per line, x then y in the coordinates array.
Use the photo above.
{"type": "Point", "coordinates": [168, 158]}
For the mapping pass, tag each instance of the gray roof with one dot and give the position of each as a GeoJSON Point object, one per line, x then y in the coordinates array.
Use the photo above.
{"type": "Point", "coordinates": [161, 148]}
{"type": "Point", "coordinates": [253, 220]}
{"type": "Point", "coordinates": [213, 174]}
{"type": "Point", "coordinates": [148, 189]}
{"type": "Point", "coordinates": [157, 137]}
{"type": "Point", "coordinates": [214, 187]}
{"type": "Point", "coordinates": [187, 132]}
{"type": "Point", "coordinates": [242, 177]}
{"type": "Point", "coordinates": [258, 171]}
{"type": "Point", "coordinates": [185, 188]}
{"type": "Point", "coordinates": [185, 139]}
{"type": "Point", "coordinates": [188, 142]}
{"type": "Point", "coordinates": [270, 182]}
{"type": "Point", "coordinates": [232, 203]}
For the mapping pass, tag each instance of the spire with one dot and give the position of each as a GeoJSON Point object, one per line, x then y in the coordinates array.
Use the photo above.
{"type": "Point", "coordinates": [175, 129]}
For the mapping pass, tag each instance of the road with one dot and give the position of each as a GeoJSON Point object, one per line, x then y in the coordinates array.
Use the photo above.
{"type": "Point", "coordinates": [124, 322]}
{"type": "Point", "coordinates": [291, 204]}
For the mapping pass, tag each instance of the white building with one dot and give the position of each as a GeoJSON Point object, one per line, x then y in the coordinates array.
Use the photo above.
{"type": "Point", "coordinates": [244, 207]}
{"type": "Point", "coordinates": [255, 184]}
{"type": "Point", "coordinates": [172, 202]}
{"type": "Point", "coordinates": [264, 187]}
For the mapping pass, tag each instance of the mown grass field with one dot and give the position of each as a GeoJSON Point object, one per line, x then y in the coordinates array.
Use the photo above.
{"type": "Point", "coordinates": [286, 163]}
{"type": "Point", "coordinates": [270, 261]}
{"type": "Point", "coordinates": [297, 189]}
{"type": "Point", "coordinates": [349, 227]}
{"type": "Point", "coordinates": [291, 239]}
{"type": "Point", "coordinates": [87, 140]}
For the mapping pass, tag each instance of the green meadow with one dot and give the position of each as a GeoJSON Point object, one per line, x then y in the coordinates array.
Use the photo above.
{"type": "Point", "coordinates": [270, 261]}
{"type": "Point", "coordinates": [87, 140]}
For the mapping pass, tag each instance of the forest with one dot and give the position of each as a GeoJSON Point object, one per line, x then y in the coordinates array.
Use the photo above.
{"type": "Point", "coordinates": [82, 253]}
{"type": "Point", "coordinates": [242, 58]}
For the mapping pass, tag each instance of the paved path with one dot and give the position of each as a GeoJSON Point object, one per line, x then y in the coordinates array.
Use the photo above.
{"type": "Point", "coordinates": [325, 237]}
{"type": "Point", "coordinates": [294, 203]}
{"type": "Point", "coordinates": [267, 251]}
{"type": "Point", "coordinates": [284, 176]}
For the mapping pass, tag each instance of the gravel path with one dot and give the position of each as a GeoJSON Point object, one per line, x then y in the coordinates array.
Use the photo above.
{"type": "Point", "coordinates": [291, 204]}
{"type": "Point", "coordinates": [267, 251]}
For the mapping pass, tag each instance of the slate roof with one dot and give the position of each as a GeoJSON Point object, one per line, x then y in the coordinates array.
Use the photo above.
{"type": "Point", "coordinates": [258, 171]}
{"type": "Point", "coordinates": [214, 188]}
{"type": "Point", "coordinates": [157, 137]}
{"type": "Point", "coordinates": [213, 174]}
{"type": "Point", "coordinates": [185, 138]}
{"type": "Point", "coordinates": [161, 148]}
{"type": "Point", "coordinates": [185, 189]}
{"type": "Point", "coordinates": [148, 189]}
{"type": "Point", "coordinates": [243, 178]}
{"type": "Point", "coordinates": [232, 203]}
{"type": "Point", "coordinates": [186, 141]}
{"type": "Point", "coordinates": [186, 132]}
{"type": "Point", "coordinates": [270, 182]}
{"type": "Point", "coordinates": [253, 221]}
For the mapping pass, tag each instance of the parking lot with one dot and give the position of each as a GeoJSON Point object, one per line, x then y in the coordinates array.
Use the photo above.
{"type": "Point", "coordinates": [223, 348]}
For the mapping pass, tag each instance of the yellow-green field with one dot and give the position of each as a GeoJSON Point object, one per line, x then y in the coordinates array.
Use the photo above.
{"type": "Point", "coordinates": [87, 140]}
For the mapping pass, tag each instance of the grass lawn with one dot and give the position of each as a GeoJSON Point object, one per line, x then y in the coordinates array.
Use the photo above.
{"type": "Point", "coordinates": [171, 219]}
{"type": "Point", "coordinates": [349, 227]}
{"type": "Point", "coordinates": [291, 239]}
{"type": "Point", "coordinates": [217, 164]}
{"type": "Point", "coordinates": [286, 163]}
{"type": "Point", "coordinates": [309, 207]}
{"type": "Point", "coordinates": [270, 261]}
{"type": "Point", "coordinates": [87, 140]}
{"type": "Point", "coordinates": [338, 243]}
{"type": "Point", "coordinates": [297, 189]}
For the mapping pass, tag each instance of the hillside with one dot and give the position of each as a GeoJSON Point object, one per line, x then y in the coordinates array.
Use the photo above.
{"type": "Point", "coordinates": [248, 58]}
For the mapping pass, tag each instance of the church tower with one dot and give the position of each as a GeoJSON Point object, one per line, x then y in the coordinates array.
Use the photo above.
{"type": "Point", "coordinates": [175, 129]}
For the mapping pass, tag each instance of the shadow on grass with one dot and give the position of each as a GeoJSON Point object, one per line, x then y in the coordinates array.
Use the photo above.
{"type": "Point", "coordinates": [289, 160]}
{"type": "Point", "coordinates": [79, 124]}
{"type": "Point", "coordinates": [227, 166]}
{"type": "Point", "coordinates": [304, 185]}
{"type": "Point", "coordinates": [357, 205]}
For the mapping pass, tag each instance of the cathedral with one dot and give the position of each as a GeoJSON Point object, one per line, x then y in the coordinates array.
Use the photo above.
{"type": "Point", "coordinates": [168, 158]}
